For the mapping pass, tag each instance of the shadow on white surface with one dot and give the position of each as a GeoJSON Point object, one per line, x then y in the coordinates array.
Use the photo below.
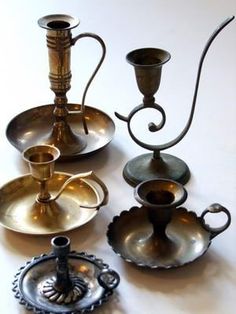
{"type": "Point", "coordinates": [206, 267]}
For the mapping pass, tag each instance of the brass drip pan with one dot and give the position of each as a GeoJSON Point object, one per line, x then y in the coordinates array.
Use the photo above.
{"type": "Point", "coordinates": [19, 213]}
{"type": "Point", "coordinates": [34, 126]}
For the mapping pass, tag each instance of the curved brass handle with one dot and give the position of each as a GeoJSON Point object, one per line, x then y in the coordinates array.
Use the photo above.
{"type": "Point", "coordinates": [87, 175]}
{"type": "Point", "coordinates": [73, 41]}
{"type": "Point", "coordinates": [216, 208]}
{"type": "Point", "coordinates": [108, 279]}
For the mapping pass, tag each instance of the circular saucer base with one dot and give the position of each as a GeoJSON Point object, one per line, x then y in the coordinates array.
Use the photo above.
{"type": "Point", "coordinates": [34, 126]}
{"type": "Point", "coordinates": [30, 279]}
{"type": "Point", "coordinates": [19, 211]}
{"type": "Point", "coordinates": [145, 167]}
{"type": "Point", "coordinates": [131, 237]}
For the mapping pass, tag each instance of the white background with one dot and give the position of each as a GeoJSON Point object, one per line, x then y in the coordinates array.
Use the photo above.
{"type": "Point", "coordinates": [182, 27]}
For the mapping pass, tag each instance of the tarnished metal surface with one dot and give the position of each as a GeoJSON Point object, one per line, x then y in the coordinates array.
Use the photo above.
{"type": "Point", "coordinates": [72, 141]}
{"type": "Point", "coordinates": [41, 160]}
{"type": "Point", "coordinates": [145, 167]}
{"type": "Point", "coordinates": [20, 212]}
{"type": "Point", "coordinates": [99, 279]}
{"type": "Point", "coordinates": [159, 234]}
{"type": "Point", "coordinates": [131, 237]}
{"type": "Point", "coordinates": [34, 126]}
{"type": "Point", "coordinates": [147, 63]}
{"type": "Point", "coordinates": [45, 202]}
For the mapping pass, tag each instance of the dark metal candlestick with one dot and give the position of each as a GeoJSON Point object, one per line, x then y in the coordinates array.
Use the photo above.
{"type": "Point", "coordinates": [160, 233]}
{"type": "Point", "coordinates": [64, 281]}
{"type": "Point", "coordinates": [64, 288]}
{"type": "Point", "coordinates": [159, 197]}
{"type": "Point", "coordinates": [148, 64]}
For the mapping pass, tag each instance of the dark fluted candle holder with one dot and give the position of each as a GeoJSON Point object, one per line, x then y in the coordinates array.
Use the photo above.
{"type": "Point", "coordinates": [64, 281]}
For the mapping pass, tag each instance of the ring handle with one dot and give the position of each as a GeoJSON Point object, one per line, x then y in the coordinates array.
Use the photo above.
{"type": "Point", "coordinates": [87, 175]}
{"type": "Point", "coordinates": [215, 208]}
{"type": "Point", "coordinates": [101, 42]}
{"type": "Point", "coordinates": [108, 279]}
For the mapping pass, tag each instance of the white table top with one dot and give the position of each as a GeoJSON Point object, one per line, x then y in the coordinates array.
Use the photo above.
{"type": "Point", "coordinates": [182, 27]}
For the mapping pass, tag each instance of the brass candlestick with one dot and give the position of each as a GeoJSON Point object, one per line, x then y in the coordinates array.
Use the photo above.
{"type": "Point", "coordinates": [59, 43]}
{"type": "Point", "coordinates": [49, 202]}
{"type": "Point", "coordinates": [75, 129]}
{"type": "Point", "coordinates": [148, 64]}
{"type": "Point", "coordinates": [41, 159]}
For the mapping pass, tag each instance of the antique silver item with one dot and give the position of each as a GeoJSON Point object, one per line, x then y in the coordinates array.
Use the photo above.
{"type": "Point", "coordinates": [64, 281]}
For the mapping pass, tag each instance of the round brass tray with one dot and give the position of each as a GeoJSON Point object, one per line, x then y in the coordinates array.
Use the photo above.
{"type": "Point", "coordinates": [188, 237]}
{"type": "Point", "coordinates": [33, 127]}
{"type": "Point", "coordinates": [19, 213]}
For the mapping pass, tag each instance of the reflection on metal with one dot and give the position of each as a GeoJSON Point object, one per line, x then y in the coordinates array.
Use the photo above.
{"type": "Point", "coordinates": [148, 64]}
{"type": "Point", "coordinates": [38, 122]}
{"type": "Point", "coordinates": [71, 289]}
{"type": "Point", "coordinates": [160, 234]}
{"type": "Point", "coordinates": [45, 202]}
{"type": "Point", "coordinates": [71, 142]}
{"type": "Point", "coordinates": [63, 288]}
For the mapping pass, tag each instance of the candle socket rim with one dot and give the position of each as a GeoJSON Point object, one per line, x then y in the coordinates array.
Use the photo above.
{"type": "Point", "coordinates": [130, 57]}
{"type": "Point", "coordinates": [140, 196]}
{"type": "Point", "coordinates": [47, 19]}
{"type": "Point", "coordinates": [41, 149]}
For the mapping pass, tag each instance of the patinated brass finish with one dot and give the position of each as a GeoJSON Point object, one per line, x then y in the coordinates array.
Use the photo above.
{"type": "Point", "coordinates": [64, 281]}
{"type": "Point", "coordinates": [59, 42]}
{"type": "Point", "coordinates": [148, 64]}
{"type": "Point", "coordinates": [46, 202]}
{"type": "Point", "coordinates": [71, 140]}
{"type": "Point", "coordinates": [159, 234]}
{"type": "Point", "coordinates": [33, 126]}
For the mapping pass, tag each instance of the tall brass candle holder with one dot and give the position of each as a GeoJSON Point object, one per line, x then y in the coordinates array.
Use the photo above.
{"type": "Point", "coordinates": [148, 64]}
{"type": "Point", "coordinates": [75, 130]}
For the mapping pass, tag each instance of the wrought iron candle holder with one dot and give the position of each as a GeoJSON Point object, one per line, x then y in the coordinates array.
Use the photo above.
{"type": "Point", "coordinates": [48, 202]}
{"type": "Point", "coordinates": [160, 234]}
{"type": "Point", "coordinates": [64, 281]}
{"type": "Point", "coordinates": [148, 64]}
{"type": "Point", "coordinates": [75, 130]}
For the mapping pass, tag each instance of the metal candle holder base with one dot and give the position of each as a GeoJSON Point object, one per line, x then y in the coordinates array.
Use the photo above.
{"type": "Point", "coordinates": [45, 202]}
{"type": "Point", "coordinates": [159, 234]}
{"type": "Point", "coordinates": [63, 281]}
{"type": "Point", "coordinates": [148, 64]}
{"type": "Point", "coordinates": [146, 167]}
{"type": "Point", "coordinates": [72, 141]}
